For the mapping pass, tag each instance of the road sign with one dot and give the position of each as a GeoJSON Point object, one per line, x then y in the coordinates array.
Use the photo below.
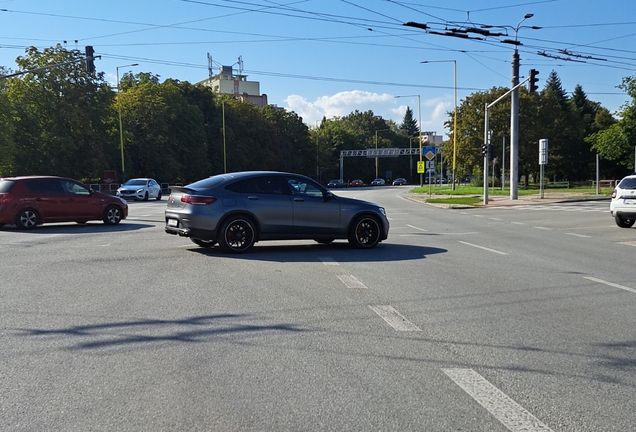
{"type": "Point", "coordinates": [429, 152]}
{"type": "Point", "coordinates": [420, 167]}
{"type": "Point", "coordinates": [430, 165]}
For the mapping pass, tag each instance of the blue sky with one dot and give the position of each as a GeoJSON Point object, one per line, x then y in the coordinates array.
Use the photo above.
{"type": "Point", "coordinates": [331, 57]}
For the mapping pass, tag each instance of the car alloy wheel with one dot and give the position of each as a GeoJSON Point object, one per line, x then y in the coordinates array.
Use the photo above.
{"type": "Point", "coordinates": [365, 233]}
{"type": "Point", "coordinates": [112, 215]}
{"type": "Point", "coordinates": [237, 235]}
{"type": "Point", "coordinates": [26, 219]}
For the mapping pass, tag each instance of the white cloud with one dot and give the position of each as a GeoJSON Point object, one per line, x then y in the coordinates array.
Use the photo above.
{"type": "Point", "coordinates": [344, 103]}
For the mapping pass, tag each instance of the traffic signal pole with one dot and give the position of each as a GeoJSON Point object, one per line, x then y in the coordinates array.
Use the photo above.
{"type": "Point", "coordinates": [514, 128]}
{"type": "Point", "coordinates": [487, 138]}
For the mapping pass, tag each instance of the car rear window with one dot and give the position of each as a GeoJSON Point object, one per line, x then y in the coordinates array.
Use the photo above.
{"type": "Point", "coordinates": [208, 182]}
{"type": "Point", "coordinates": [628, 183]}
{"type": "Point", "coordinates": [6, 185]}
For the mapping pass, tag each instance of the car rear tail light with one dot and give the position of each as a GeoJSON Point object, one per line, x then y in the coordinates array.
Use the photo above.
{"type": "Point", "coordinates": [197, 200]}
{"type": "Point", "coordinates": [5, 198]}
{"type": "Point", "coordinates": [614, 194]}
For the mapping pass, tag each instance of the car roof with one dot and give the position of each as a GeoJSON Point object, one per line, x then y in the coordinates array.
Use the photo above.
{"type": "Point", "coordinates": [33, 177]}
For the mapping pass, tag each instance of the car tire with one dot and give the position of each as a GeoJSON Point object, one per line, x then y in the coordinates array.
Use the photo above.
{"type": "Point", "coordinates": [1, 225]}
{"type": "Point", "coordinates": [112, 215]}
{"type": "Point", "coordinates": [159, 196]}
{"type": "Point", "coordinates": [203, 243]}
{"type": "Point", "coordinates": [146, 196]}
{"type": "Point", "coordinates": [365, 232]}
{"type": "Point", "coordinates": [237, 235]}
{"type": "Point", "coordinates": [324, 241]}
{"type": "Point", "coordinates": [624, 223]}
{"type": "Point", "coordinates": [27, 219]}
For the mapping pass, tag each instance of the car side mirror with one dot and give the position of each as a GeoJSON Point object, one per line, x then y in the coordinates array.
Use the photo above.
{"type": "Point", "coordinates": [328, 195]}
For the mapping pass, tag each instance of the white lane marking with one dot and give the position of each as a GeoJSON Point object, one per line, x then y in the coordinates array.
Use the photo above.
{"type": "Point", "coordinates": [518, 223]}
{"type": "Point", "coordinates": [394, 318]}
{"type": "Point", "coordinates": [351, 282]}
{"type": "Point", "coordinates": [578, 235]}
{"type": "Point", "coordinates": [515, 417]}
{"type": "Point", "coordinates": [601, 281]}
{"type": "Point", "coordinates": [478, 215]}
{"type": "Point", "coordinates": [629, 243]}
{"type": "Point", "coordinates": [543, 228]}
{"type": "Point", "coordinates": [484, 248]}
{"type": "Point", "coordinates": [414, 227]}
{"type": "Point", "coordinates": [441, 234]}
{"type": "Point", "coordinates": [328, 261]}
{"type": "Point", "coordinates": [495, 219]}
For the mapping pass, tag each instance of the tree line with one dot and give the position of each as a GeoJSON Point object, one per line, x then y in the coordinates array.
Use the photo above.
{"type": "Point", "coordinates": [65, 121]}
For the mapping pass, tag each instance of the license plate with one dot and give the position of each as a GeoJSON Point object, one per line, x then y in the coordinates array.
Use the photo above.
{"type": "Point", "coordinates": [630, 201]}
{"type": "Point", "coordinates": [173, 222]}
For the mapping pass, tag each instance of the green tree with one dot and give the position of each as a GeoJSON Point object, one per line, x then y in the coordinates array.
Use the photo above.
{"type": "Point", "coordinates": [59, 115]}
{"type": "Point", "coordinates": [409, 125]}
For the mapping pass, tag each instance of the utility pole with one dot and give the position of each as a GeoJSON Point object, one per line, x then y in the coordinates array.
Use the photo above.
{"type": "Point", "coordinates": [514, 127]}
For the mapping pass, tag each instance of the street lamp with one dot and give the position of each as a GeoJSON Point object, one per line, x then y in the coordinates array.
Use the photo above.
{"type": "Point", "coordinates": [376, 149]}
{"type": "Point", "coordinates": [121, 130]}
{"type": "Point", "coordinates": [455, 115]}
{"type": "Point", "coordinates": [419, 120]}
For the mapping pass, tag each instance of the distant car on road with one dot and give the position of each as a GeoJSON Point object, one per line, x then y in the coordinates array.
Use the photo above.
{"type": "Point", "coordinates": [400, 181]}
{"type": "Point", "coordinates": [239, 209]}
{"type": "Point", "coordinates": [336, 184]}
{"type": "Point", "coordinates": [140, 189]}
{"type": "Point", "coordinates": [34, 200]}
{"type": "Point", "coordinates": [378, 182]}
{"type": "Point", "coordinates": [356, 183]}
{"type": "Point", "coordinates": [623, 203]}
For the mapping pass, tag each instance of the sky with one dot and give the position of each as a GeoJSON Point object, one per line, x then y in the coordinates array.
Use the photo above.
{"type": "Point", "coordinates": [326, 58]}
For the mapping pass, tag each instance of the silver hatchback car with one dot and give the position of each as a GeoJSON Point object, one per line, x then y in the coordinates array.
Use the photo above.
{"type": "Point", "coordinates": [236, 210]}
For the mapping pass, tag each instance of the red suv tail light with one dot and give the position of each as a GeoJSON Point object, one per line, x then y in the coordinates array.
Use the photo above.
{"type": "Point", "coordinates": [197, 200]}
{"type": "Point", "coordinates": [5, 198]}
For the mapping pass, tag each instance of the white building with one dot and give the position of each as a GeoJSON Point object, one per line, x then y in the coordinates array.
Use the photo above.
{"type": "Point", "coordinates": [228, 81]}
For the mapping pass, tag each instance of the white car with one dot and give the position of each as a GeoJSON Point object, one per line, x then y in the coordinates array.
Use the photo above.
{"type": "Point", "coordinates": [140, 189]}
{"type": "Point", "coordinates": [623, 204]}
{"type": "Point", "coordinates": [378, 182]}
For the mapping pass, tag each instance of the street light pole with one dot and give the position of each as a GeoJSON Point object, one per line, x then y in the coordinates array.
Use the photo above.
{"type": "Point", "coordinates": [455, 113]}
{"type": "Point", "coordinates": [121, 129]}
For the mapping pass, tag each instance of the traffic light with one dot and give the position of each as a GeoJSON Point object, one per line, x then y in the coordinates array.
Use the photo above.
{"type": "Point", "coordinates": [90, 66]}
{"type": "Point", "coordinates": [484, 150]}
{"type": "Point", "coordinates": [532, 83]}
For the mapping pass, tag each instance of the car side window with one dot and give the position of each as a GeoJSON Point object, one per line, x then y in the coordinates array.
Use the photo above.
{"type": "Point", "coordinates": [44, 186]}
{"type": "Point", "coordinates": [70, 187]}
{"type": "Point", "coordinates": [261, 185]}
{"type": "Point", "coordinates": [301, 187]}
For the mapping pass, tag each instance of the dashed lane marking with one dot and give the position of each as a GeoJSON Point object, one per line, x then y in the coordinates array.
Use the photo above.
{"type": "Point", "coordinates": [394, 318]}
{"type": "Point", "coordinates": [351, 282]}
{"type": "Point", "coordinates": [328, 261]}
{"type": "Point", "coordinates": [601, 281]}
{"type": "Point", "coordinates": [578, 235]}
{"type": "Point", "coordinates": [507, 411]}
{"type": "Point", "coordinates": [484, 248]}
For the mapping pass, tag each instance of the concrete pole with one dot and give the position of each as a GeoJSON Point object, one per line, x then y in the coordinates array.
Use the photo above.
{"type": "Point", "coordinates": [514, 129]}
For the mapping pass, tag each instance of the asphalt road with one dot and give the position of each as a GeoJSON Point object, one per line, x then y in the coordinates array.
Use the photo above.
{"type": "Point", "coordinates": [491, 319]}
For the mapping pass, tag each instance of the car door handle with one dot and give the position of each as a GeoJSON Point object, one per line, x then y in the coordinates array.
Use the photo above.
{"type": "Point", "coordinates": [252, 197]}
{"type": "Point", "coordinates": [299, 199]}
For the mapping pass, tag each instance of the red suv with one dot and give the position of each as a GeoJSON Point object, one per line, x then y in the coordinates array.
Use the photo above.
{"type": "Point", "coordinates": [30, 201]}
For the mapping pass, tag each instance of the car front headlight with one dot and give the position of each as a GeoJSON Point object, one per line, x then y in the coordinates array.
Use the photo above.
{"type": "Point", "coordinates": [140, 190]}
{"type": "Point", "coordinates": [381, 210]}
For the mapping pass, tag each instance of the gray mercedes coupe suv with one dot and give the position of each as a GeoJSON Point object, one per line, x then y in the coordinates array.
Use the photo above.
{"type": "Point", "coordinates": [239, 209]}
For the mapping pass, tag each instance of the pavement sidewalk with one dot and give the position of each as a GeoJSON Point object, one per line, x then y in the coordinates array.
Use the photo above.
{"type": "Point", "coordinates": [505, 200]}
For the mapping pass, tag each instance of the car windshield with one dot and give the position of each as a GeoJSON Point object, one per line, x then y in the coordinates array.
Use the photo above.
{"type": "Point", "coordinates": [135, 182]}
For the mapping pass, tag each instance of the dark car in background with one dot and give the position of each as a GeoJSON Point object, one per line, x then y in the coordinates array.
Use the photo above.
{"type": "Point", "coordinates": [336, 184]}
{"type": "Point", "coordinates": [31, 201]}
{"type": "Point", "coordinates": [356, 183]}
{"type": "Point", "coordinates": [239, 209]}
{"type": "Point", "coordinates": [400, 181]}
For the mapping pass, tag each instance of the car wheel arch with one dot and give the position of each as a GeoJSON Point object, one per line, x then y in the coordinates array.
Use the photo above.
{"type": "Point", "coordinates": [241, 213]}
